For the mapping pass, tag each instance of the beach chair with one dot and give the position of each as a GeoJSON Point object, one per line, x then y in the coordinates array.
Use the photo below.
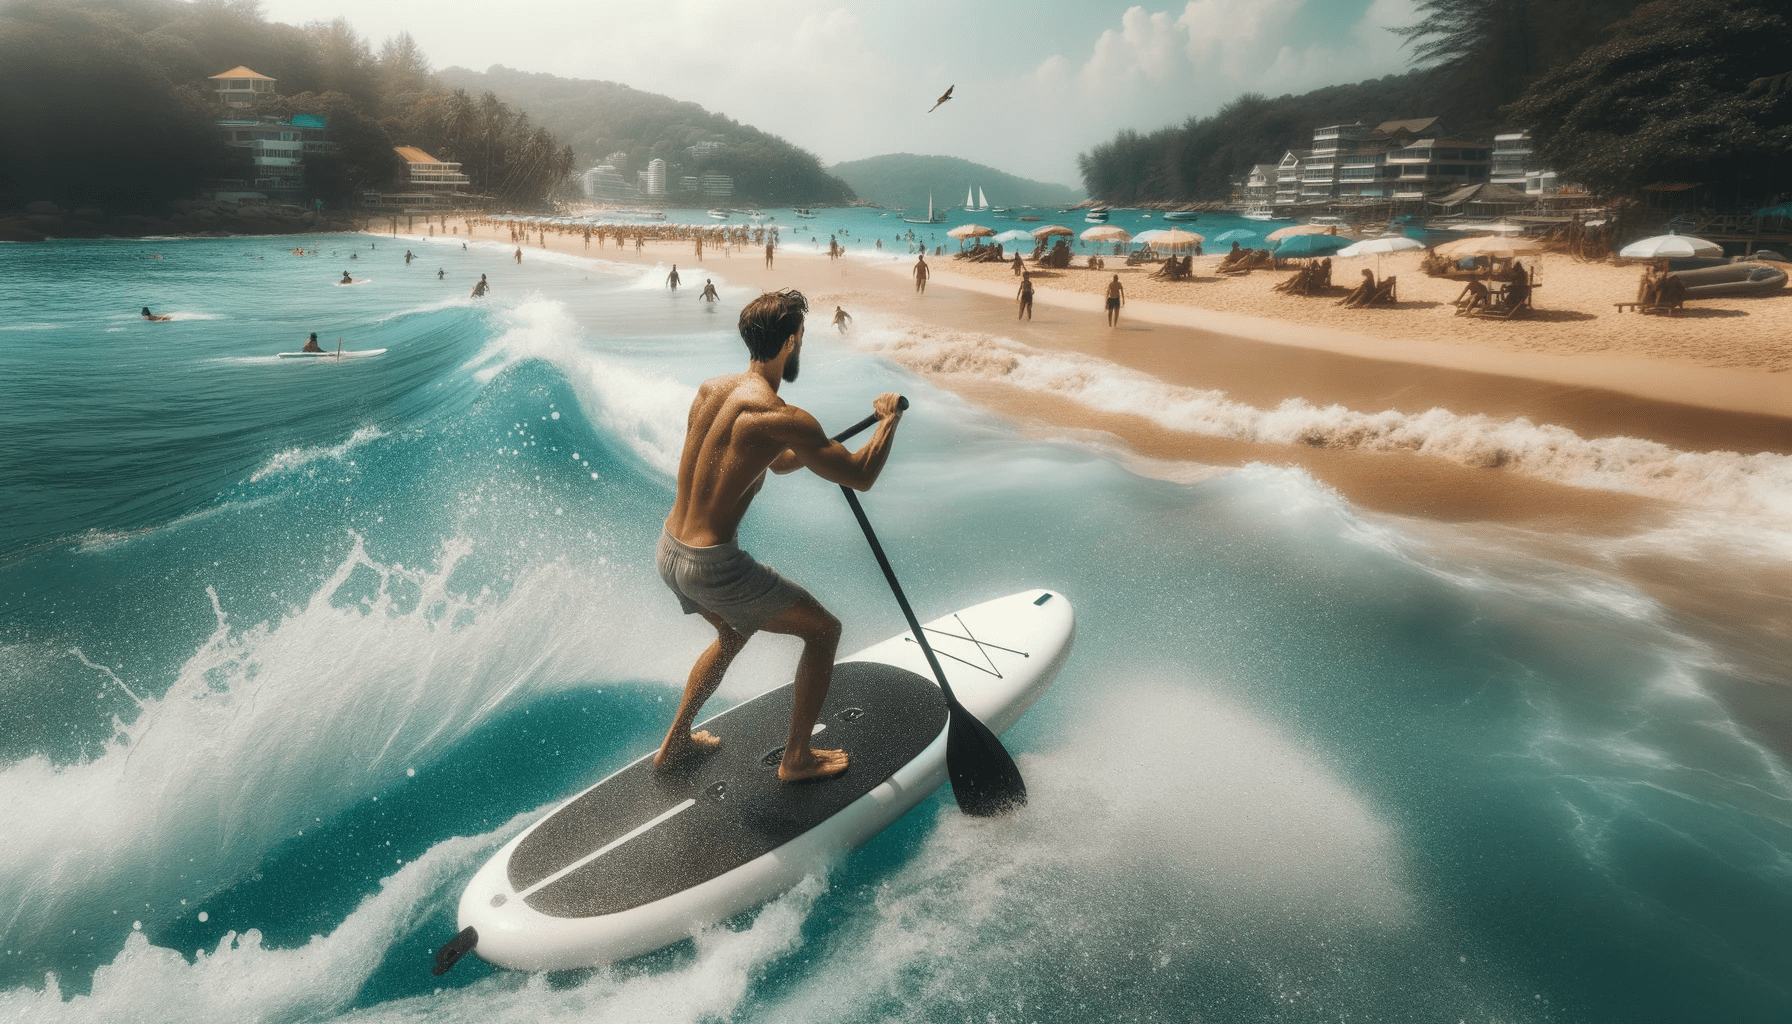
{"type": "Point", "coordinates": [1386, 293]}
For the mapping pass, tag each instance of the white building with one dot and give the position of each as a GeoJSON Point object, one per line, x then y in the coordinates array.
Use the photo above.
{"type": "Point", "coordinates": [424, 173]}
{"type": "Point", "coordinates": [718, 186]}
{"type": "Point", "coordinates": [605, 182]}
{"type": "Point", "coordinates": [654, 177]}
{"type": "Point", "coordinates": [275, 149]}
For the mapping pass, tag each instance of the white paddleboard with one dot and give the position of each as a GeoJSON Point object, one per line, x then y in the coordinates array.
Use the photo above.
{"type": "Point", "coordinates": [646, 858]}
{"type": "Point", "coordinates": [333, 355]}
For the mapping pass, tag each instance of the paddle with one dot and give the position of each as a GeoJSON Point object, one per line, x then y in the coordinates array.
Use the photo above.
{"type": "Point", "coordinates": [984, 778]}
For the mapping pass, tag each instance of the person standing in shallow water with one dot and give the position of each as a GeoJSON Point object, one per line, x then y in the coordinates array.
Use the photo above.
{"type": "Point", "coordinates": [480, 289]}
{"type": "Point", "coordinates": [921, 273]}
{"type": "Point", "coordinates": [672, 278]}
{"type": "Point", "coordinates": [739, 428]}
{"type": "Point", "coordinates": [1116, 297]}
{"type": "Point", "coordinates": [709, 291]}
{"type": "Point", "coordinates": [1025, 295]}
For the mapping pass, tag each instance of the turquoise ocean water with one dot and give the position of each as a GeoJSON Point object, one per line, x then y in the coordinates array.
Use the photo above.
{"type": "Point", "coordinates": [287, 648]}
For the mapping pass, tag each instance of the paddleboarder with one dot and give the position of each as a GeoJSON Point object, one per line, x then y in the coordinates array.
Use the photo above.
{"type": "Point", "coordinates": [738, 428]}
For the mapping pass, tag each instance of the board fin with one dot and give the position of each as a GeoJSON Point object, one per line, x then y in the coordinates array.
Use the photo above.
{"type": "Point", "coordinates": [453, 950]}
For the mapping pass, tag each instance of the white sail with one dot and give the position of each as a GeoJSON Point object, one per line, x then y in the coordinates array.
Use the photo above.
{"type": "Point", "coordinates": [967, 199]}
{"type": "Point", "coordinates": [982, 203]}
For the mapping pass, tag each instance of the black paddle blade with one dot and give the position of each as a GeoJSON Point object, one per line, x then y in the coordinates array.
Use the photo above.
{"type": "Point", "coordinates": [453, 950]}
{"type": "Point", "coordinates": [984, 778]}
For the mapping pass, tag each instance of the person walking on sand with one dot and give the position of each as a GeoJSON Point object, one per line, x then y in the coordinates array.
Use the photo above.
{"type": "Point", "coordinates": [1025, 295]}
{"type": "Point", "coordinates": [841, 318]}
{"type": "Point", "coordinates": [738, 428]}
{"type": "Point", "coordinates": [672, 278]}
{"type": "Point", "coordinates": [480, 289]}
{"type": "Point", "coordinates": [709, 291]}
{"type": "Point", "coordinates": [921, 272]}
{"type": "Point", "coordinates": [1116, 298]}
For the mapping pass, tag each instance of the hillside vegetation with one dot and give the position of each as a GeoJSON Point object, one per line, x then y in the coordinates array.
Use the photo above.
{"type": "Point", "coordinates": [902, 180]}
{"type": "Point", "coordinates": [601, 118]}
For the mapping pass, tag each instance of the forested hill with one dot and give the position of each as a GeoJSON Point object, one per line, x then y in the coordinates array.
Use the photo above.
{"type": "Point", "coordinates": [902, 180]}
{"type": "Point", "coordinates": [601, 118]}
{"type": "Point", "coordinates": [1618, 94]}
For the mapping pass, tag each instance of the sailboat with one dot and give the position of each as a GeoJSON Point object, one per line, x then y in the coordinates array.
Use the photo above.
{"type": "Point", "coordinates": [932, 218]}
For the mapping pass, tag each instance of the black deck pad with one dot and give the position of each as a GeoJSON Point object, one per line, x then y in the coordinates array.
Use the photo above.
{"type": "Point", "coordinates": [880, 715]}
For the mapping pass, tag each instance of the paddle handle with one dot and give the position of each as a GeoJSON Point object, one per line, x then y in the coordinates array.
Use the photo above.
{"type": "Point", "coordinates": [901, 403]}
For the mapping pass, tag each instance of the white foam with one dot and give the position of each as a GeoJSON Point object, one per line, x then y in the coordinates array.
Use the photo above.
{"type": "Point", "coordinates": [294, 459]}
{"type": "Point", "coordinates": [1759, 484]}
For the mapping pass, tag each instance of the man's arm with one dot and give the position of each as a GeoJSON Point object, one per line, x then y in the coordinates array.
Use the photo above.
{"type": "Point", "coordinates": [811, 448]}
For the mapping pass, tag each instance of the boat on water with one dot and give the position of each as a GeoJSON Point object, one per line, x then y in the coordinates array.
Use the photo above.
{"type": "Point", "coordinates": [1258, 213]}
{"type": "Point", "coordinates": [981, 204]}
{"type": "Point", "coordinates": [932, 217]}
{"type": "Point", "coordinates": [1180, 215]}
{"type": "Point", "coordinates": [805, 213]}
{"type": "Point", "coordinates": [1328, 221]}
{"type": "Point", "coordinates": [641, 214]}
{"type": "Point", "coordinates": [1098, 215]}
{"type": "Point", "coordinates": [718, 214]}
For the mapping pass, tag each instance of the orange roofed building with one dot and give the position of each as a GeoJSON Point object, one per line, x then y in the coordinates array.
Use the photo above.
{"type": "Point", "coordinates": [241, 87]}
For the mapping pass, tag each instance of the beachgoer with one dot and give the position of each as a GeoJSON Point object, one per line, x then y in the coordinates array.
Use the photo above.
{"type": "Point", "coordinates": [440, 273]}
{"type": "Point", "coordinates": [1019, 267]}
{"type": "Point", "coordinates": [841, 319]}
{"type": "Point", "coordinates": [672, 278]}
{"type": "Point", "coordinates": [311, 344]}
{"type": "Point", "coordinates": [354, 255]}
{"type": "Point", "coordinates": [709, 291]}
{"type": "Point", "coordinates": [1025, 295]}
{"type": "Point", "coordinates": [481, 288]}
{"type": "Point", "coordinates": [519, 254]}
{"type": "Point", "coordinates": [921, 273]}
{"type": "Point", "coordinates": [738, 428]}
{"type": "Point", "coordinates": [346, 279]}
{"type": "Point", "coordinates": [408, 257]}
{"type": "Point", "coordinates": [1361, 293]}
{"type": "Point", "coordinates": [157, 317]}
{"type": "Point", "coordinates": [768, 254]}
{"type": "Point", "coordinates": [1116, 297]}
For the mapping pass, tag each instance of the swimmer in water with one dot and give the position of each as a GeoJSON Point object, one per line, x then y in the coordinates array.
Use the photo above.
{"type": "Point", "coordinates": [440, 273]}
{"type": "Point", "coordinates": [311, 344]}
{"type": "Point", "coordinates": [157, 317]}
{"type": "Point", "coordinates": [346, 279]}
{"type": "Point", "coordinates": [709, 290]}
{"type": "Point", "coordinates": [841, 319]}
{"type": "Point", "coordinates": [480, 289]}
{"type": "Point", "coordinates": [408, 257]}
{"type": "Point", "coordinates": [354, 255]}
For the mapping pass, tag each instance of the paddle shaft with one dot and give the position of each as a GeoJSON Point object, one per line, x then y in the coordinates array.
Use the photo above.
{"type": "Point", "coordinates": [883, 562]}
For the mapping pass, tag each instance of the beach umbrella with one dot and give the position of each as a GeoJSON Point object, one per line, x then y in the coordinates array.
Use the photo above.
{"type": "Point", "coordinates": [1105, 233]}
{"type": "Point", "coordinates": [1052, 229]}
{"type": "Point", "coordinates": [1310, 245]}
{"type": "Point", "coordinates": [1491, 245]}
{"type": "Point", "coordinates": [1176, 238]}
{"type": "Point", "coordinates": [1386, 243]}
{"type": "Point", "coordinates": [1499, 228]}
{"type": "Point", "coordinates": [1234, 235]}
{"type": "Point", "coordinates": [1010, 237]}
{"type": "Point", "coordinates": [1670, 246]}
{"type": "Point", "coordinates": [963, 231]}
{"type": "Point", "coordinates": [1307, 229]}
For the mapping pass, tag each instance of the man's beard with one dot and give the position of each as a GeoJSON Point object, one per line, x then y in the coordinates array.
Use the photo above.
{"type": "Point", "coordinates": [790, 367]}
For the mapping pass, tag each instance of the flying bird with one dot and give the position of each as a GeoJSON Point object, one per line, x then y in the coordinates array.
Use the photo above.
{"type": "Point", "coordinates": [942, 99]}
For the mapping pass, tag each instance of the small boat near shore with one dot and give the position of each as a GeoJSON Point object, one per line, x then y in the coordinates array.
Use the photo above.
{"type": "Point", "coordinates": [804, 213]}
{"type": "Point", "coordinates": [1731, 280]}
{"type": "Point", "coordinates": [1180, 215]}
{"type": "Point", "coordinates": [718, 214]}
{"type": "Point", "coordinates": [932, 217]}
{"type": "Point", "coordinates": [1098, 215]}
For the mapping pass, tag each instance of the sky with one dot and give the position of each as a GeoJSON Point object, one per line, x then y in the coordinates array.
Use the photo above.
{"type": "Point", "coordinates": [1036, 82]}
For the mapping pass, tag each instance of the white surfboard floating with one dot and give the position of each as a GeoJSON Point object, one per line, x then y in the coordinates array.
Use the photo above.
{"type": "Point", "coordinates": [646, 858]}
{"type": "Point", "coordinates": [333, 355]}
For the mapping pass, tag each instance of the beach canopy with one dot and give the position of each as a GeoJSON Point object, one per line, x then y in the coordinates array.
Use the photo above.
{"type": "Point", "coordinates": [1386, 243]}
{"type": "Point", "coordinates": [1310, 245]}
{"type": "Point", "coordinates": [1105, 233]}
{"type": "Point", "coordinates": [1306, 229]}
{"type": "Point", "coordinates": [1052, 229]}
{"type": "Point", "coordinates": [1234, 235]}
{"type": "Point", "coordinates": [1782, 210]}
{"type": "Point", "coordinates": [1017, 235]}
{"type": "Point", "coordinates": [1176, 238]}
{"type": "Point", "coordinates": [1670, 246]}
{"type": "Point", "coordinates": [970, 231]}
{"type": "Point", "coordinates": [1491, 245]}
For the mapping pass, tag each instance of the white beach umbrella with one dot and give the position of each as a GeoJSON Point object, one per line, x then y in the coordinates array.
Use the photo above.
{"type": "Point", "coordinates": [1105, 233]}
{"type": "Point", "coordinates": [1491, 245]}
{"type": "Point", "coordinates": [1010, 237]}
{"type": "Point", "coordinates": [1176, 238]}
{"type": "Point", "coordinates": [1147, 237]}
{"type": "Point", "coordinates": [1670, 246]}
{"type": "Point", "coordinates": [1306, 229]}
{"type": "Point", "coordinates": [1386, 243]}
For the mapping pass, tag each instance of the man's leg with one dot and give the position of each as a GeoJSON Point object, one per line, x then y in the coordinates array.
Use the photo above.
{"type": "Point", "coordinates": [705, 676]}
{"type": "Point", "coordinates": [820, 633]}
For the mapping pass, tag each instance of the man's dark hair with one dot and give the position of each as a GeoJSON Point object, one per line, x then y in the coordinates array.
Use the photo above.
{"type": "Point", "coordinates": [770, 320]}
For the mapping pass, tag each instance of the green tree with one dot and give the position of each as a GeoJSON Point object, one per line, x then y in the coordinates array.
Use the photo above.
{"type": "Point", "coordinates": [1683, 91]}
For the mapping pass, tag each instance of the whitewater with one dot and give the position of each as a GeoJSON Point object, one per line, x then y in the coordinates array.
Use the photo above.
{"type": "Point", "coordinates": [288, 648]}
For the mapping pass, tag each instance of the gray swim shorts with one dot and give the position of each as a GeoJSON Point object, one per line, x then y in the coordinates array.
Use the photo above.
{"type": "Point", "coordinates": [726, 581]}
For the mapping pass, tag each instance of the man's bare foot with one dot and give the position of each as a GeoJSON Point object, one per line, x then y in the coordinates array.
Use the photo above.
{"type": "Point", "coordinates": [811, 764]}
{"type": "Point", "coordinates": [700, 742]}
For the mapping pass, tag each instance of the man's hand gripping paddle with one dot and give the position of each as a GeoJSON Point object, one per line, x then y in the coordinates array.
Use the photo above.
{"type": "Point", "coordinates": [984, 778]}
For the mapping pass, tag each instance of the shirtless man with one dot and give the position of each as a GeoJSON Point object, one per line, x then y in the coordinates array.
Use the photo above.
{"type": "Point", "coordinates": [311, 344]}
{"type": "Point", "coordinates": [519, 254]}
{"type": "Point", "coordinates": [921, 272]}
{"type": "Point", "coordinates": [346, 279]}
{"type": "Point", "coordinates": [480, 289]}
{"type": "Point", "coordinates": [672, 278]}
{"type": "Point", "coordinates": [156, 317]}
{"type": "Point", "coordinates": [841, 318]}
{"type": "Point", "coordinates": [408, 257]}
{"type": "Point", "coordinates": [440, 273]}
{"type": "Point", "coordinates": [1116, 298]}
{"type": "Point", "coordinates": [739, 428]}
{"type": "Point", "coordinates": [1025, 295]}
{"type": "Point", "coordinates": [768, 254]}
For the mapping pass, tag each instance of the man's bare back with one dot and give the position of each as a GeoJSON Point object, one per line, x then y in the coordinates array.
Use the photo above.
{"type": "Point", "coordinates": [739, 428]}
